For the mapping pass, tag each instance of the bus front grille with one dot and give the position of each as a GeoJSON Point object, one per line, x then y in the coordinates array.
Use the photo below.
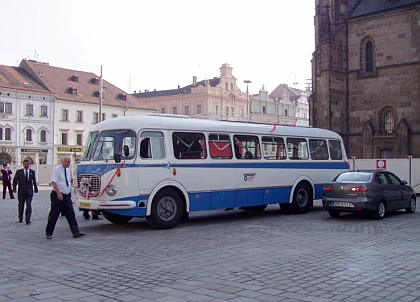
{"type": "Point", "coordinates": [88, 183]}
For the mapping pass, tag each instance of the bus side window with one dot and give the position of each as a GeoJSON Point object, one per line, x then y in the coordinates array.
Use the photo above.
{"type": "Point", "coordinates": [318, 149]}
{"type": "Point", "coordinates": [273, 147]}
{"type": "Point", "coordinates": [335, 149]}
{"type": "Point", "coordinates": [189, 145]}
{"type": "Point", "coordinates": [297, 148]}
{"type": "Point", "coordinates": [247, 143]}
{"type": "Point", "coordinates": [144, 148]}
{"type": "Point", "coordinates": [220, 146]}
{"type": "Point", "coordinates": [152, 144]}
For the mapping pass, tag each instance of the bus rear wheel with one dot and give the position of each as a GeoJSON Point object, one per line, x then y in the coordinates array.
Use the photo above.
{"type": "Point", "coordinates": [168, 209]}
{"type": "Point", "coordinates": [302, 199]}
{"type": "Point", "coordinates": [115, 218]}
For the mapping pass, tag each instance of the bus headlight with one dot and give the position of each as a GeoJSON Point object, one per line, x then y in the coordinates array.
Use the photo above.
{"type": "Point", "coordinates": [111, 190]}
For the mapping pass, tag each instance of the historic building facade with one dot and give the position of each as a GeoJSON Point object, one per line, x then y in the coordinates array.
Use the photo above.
{"type": "Point", "coordinates": [46, 112]}
{"type": "Point", "coordinates": [366, 75]}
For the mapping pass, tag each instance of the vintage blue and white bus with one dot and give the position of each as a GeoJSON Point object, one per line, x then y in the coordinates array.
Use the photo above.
{"type": "Point", "coordinates": [163, 167]}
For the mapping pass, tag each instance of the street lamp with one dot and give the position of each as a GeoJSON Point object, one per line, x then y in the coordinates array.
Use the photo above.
{"type": "Point", "coordinates": [247, 99]}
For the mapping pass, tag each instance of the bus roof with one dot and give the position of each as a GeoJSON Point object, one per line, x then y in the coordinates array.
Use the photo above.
{"type": "Point", "coordinates": [185, 123]}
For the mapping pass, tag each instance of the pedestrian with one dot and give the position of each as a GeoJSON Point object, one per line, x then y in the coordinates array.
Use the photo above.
{"type": "Point", "coordinates": [26, 180]}
{"type": "Point", "coordinates": [61, 199]}
{"type": "Point", "coordinates": [7, 181]}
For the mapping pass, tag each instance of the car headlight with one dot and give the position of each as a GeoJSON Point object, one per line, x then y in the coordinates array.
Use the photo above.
{"type": "Point", "coordinates": [111, 190]}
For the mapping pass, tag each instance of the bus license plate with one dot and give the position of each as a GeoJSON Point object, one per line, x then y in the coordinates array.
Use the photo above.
{"type": "Point", "coordinates": [343, 204]}
{"type": "Point", "coordinates": [85, 205]}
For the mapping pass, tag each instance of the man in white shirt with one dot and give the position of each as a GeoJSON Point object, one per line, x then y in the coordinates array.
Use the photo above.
{"type": "Point", "coordinates": [61, 199]}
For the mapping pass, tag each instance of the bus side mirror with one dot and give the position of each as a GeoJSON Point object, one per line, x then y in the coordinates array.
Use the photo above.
{"type": "Point", "coordinates": [117, 157]}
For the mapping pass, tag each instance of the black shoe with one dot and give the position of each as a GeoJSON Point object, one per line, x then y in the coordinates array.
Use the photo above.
{"type": "Point", "coordinates": [87, 217]}
{"type": "Point", "coordinates": [96, 217]}
{"type": "Point", "coordinates": [28, 222]}
{"type": "Point", "coordinates": [20, 221]}
{"type": "Point", "coordinates": [77, 235]}
{"type": "Point", "coordinates": [49, 236]}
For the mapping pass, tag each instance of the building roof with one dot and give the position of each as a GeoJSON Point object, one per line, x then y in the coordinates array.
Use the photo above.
{"type": "Point", "coordinates": [18, 78]}
{"type": "Point", "coordinates": [283, 89]}
{"type": "Point", "coordinates": [80, 86]}
{"type": "Point", "coordinates": [370, 7]}
{"type": "Point", "coordinates": [183, 90]}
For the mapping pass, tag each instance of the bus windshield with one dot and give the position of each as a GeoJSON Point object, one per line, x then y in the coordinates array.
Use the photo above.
{"type": "Point", "coordinates": [110, 143]}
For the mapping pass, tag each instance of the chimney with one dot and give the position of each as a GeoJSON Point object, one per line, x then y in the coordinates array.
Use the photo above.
{"type": "Point", "coordinates": [194, 81]}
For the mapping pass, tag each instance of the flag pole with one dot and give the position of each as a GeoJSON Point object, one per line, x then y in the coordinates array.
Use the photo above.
{"type": "Point", "coordinates": [100, 98]}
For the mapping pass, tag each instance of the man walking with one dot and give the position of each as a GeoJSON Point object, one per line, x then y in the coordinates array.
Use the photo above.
{"type": "Point", "coordinates": [61, 199]}
{"type": "Point", "coordinates": [7, 181]}
{"type": "Point", "coordinates": [26, 180]}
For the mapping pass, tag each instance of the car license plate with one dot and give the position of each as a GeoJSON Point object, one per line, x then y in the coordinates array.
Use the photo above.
{"type": "Point", "coordinates": [343, 204]}
{"type": "Point", "coordinates": [85, 205]}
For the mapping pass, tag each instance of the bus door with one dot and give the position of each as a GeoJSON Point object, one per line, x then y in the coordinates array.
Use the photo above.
{"type": "Point", "coordinates": [248, 173]}
{"type": "Point", "coordinates": [223, 183]}
{"type": "Point", "coordinates": [152, 161]}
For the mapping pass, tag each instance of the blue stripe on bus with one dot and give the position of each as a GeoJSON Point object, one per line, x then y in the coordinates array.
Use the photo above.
{"type": "Point", "coordinates": [102, 169]}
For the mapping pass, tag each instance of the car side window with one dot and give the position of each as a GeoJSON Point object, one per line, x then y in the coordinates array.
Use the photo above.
{"type": "Point", "coordinates": [394, 179]}
{"type": "Point", "coordinates": [381, 178]}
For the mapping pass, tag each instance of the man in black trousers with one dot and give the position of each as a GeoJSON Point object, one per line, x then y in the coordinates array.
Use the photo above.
{"type": "Point", "coordinates": [61, 199]}
{"type": "Point", "coordinates": [26, 180]}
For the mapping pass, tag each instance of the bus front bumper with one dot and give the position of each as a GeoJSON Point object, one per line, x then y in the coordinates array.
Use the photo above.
{"type": "Point", "coordinates": [105, 205]}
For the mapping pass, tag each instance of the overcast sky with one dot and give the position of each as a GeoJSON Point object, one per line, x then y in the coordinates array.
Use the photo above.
{"type": "Point", "coordinates": [152, 44]}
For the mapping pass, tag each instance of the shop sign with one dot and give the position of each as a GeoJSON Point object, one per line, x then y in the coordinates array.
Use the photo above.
{"type": "Point", "coordinates": [69, 149]}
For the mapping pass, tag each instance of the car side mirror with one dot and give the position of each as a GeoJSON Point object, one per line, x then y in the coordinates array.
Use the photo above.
{"type": "Point", "coordinates": [404, 182]}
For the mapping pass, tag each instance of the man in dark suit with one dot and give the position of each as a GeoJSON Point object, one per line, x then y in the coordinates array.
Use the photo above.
{"type": "Point", "coordinates": [27, 185]}
{"type": "Point", "coordinates": [7, 181]}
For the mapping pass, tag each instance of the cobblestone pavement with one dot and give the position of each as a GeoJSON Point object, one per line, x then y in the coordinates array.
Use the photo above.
{"type": "Point", "coordinates": [215, 256]}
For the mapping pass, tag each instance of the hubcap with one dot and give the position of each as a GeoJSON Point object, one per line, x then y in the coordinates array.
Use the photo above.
{"type": "Point", "coordinates": [381, 210]}
{"type": "Point", "coordinates": [166, 208]}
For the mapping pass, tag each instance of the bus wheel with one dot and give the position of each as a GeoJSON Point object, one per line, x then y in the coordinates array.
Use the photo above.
{"type": "Point", "coordinates": [302, 198]}
{"type": "Point", "coordinates": [168, 210]}
{"type": "Point", "coordinates": [255, 209]}
{"type": "Point", "coordinates": [115, 218]}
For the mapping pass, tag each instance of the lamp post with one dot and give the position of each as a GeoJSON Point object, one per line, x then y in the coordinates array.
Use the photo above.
{"type": "Point", "coordinates": [247, 99]}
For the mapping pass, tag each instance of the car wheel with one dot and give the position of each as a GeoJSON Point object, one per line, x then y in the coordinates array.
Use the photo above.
{"type": "Point", "coordinates": [334, 214]}
{"type": "Point", "coordinates": [380, 211]}
{"type": "Point", "coordinates": [168, 209]}
{"type": "Point", "coordinates": [411, 206]}
{"type": "Point", "coordinates": [115, 218]}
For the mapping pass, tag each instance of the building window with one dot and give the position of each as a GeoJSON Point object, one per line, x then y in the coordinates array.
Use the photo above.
{"type": "Point", "coordinates": [29, 109]}
{"type": "Point", "coordinates": [385, 153]}
{"type": "Point", "coordinates": [79, 139]}
{"type": "Point", "coordinates": [187, 110]}
{"type": "Point", "coordinates": [369, 56]}
{"type": "Point", "coordinates": [215, 109]}
{"type": "Point", "coordinates": [64, 115]}
{"type": "Point", "coordinates": [199, 109]}
{"type": "Point", "coordinates": [227, 85]}
{"type": "Point", "coordinates": [227, 111]}
{"type": "Point", "coordinates": [5, 107]}
{"type": "Point", "coordinates": [163, 110]}
{"type": "Point", "coordinates": [44, 111]}
{"type": "Point", "coordinates": [231, 86]}
{"type": "Point", "coordinates": [263, 109]}
{"type": "Point", "coordinates": [8, 134]}
{"type": "Point", "coordinates": [114, 115]}
{"type": "Point", "coordinates": [285, 112]}
{"type": "Point", "coordinates": [389, 122]}
{"type": "Point", "coordinates": [241, 112]}
{"type": "Point", "coordinates": [64, 138]}
{"type": "Point", "coordinates": [95, 117]}
{"type": "Point", "coordinates": [1, 134]}
{"type": "Point", "coordinates": [232, 111]}
{"type": "Point", "coordinates": [28, 136]}
{"type": "Point", "coordinates": [79, 116]}
{"type": "Point", "coordinates": [103, 117]}
{"type": "Point", "coordinates": [175, 110]}
{"type": "Point", "coordinates": [43, 136]}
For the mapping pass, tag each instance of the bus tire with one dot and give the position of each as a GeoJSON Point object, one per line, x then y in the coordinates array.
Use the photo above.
{"type": "Point", "coordinates": [168, 208]}
{"type": "Point", "coordinates": [115, 218]}
{"type": "Point", "coordinates": [302, 199]}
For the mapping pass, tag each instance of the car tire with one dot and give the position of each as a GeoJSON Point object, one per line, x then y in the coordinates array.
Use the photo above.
{"type": "Point", "coordinates": [380, 211]}
{"type": "Point", "coordinates": [334, 214]}
{"type": "Point", "coordinates": [411, 206]}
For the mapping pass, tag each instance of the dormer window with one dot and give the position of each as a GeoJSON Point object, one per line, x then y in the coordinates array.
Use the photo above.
{"type": "Point", "coordinates": [94, 81]}
{"type": "Point", "coordinates": [122, 96]}
{"type": "Point", "coordinates": [72, 90]}
{"type": "Point", "coordinates": [75, 78]}
{"type": "Point", "coordinates": [97, 93]}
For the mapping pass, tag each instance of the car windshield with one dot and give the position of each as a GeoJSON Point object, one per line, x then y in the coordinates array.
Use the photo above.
{"type": "Point", "coordinates": [354, 176]}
